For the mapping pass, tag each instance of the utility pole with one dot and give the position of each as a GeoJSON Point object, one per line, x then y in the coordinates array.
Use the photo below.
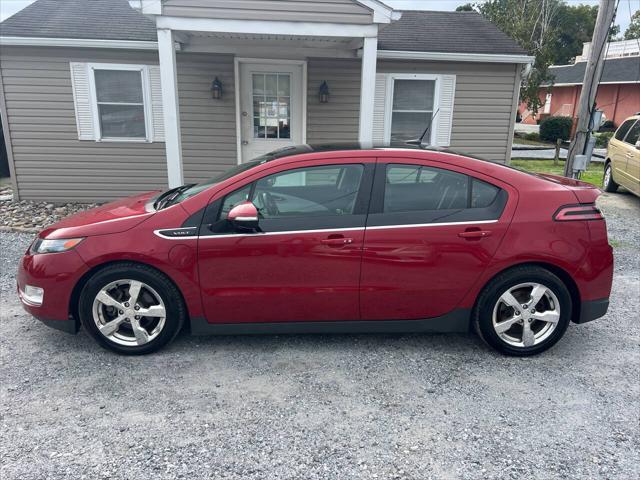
{"type": "Point", "coordinates": [592, 74]}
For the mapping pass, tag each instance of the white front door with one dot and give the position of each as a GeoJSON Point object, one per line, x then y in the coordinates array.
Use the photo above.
{"type": "Point", "coordinates": [271, 107]}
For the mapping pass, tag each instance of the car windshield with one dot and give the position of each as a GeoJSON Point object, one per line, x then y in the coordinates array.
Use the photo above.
{"type": "Point", "coordinates": [180, 194]}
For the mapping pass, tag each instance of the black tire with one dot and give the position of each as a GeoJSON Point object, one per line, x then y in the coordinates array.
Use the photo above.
{"type": "Point", "coordinates": [175, 310]}
{"type": "Point", "coordinates": [489, 298]}
{"type": "Point", "coordinates": [609, 185]}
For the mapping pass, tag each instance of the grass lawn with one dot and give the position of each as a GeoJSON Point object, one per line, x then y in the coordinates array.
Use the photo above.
{"type": "Point", "coordinates": [592, 175]}
{"type": "Point", "coordinates": [537, 143]}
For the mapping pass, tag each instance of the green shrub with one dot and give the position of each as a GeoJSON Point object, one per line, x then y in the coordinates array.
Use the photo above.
{"type": "Point", "coordinates": [533, 136]}
{"type": "Point", "coordinates": [602, 139]}
{"type": "Point", "coordinates": [554, 128]}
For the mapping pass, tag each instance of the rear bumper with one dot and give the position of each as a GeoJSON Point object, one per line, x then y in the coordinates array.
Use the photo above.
{"type": "Point", "coordinates": [592, 309]}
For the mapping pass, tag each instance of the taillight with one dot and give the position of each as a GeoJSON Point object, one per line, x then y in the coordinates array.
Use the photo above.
{"type": "Point", "coordinates": [584, 211]}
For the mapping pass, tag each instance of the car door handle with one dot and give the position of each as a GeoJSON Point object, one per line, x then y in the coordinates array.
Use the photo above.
{"type": "Point", "coordinates": [336, 241]}
{"type": "Point", "coordinates": [475, 234]}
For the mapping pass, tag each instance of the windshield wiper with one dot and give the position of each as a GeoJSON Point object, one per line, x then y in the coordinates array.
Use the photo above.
{"type": "Point", "coordinates": [170, 195]}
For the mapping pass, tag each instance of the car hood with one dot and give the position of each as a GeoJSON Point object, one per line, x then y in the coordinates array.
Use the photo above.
{"type": "Point", "coordinates": [113, 217]}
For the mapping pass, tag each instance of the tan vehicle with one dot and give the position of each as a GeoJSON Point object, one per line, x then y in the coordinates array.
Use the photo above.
{"type": "Point", "coordinates": [622, 166]}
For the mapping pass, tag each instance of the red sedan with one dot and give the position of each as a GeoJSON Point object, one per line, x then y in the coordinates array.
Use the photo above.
{"type": "Point", "coordinates": [308, 240]}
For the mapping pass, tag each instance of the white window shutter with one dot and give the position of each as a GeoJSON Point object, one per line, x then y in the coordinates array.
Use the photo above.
{"type": "Point", "coordinates": [445, 110]}
{"type": "Point", "coordinates": [82, 100]}
{"type": "Point", "coordinates": [379, 103]}
{"type": "Point", "coordinates": [156, 103]}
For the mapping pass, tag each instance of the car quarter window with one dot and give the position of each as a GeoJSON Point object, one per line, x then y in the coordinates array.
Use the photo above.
{"type": "Point", "coordinates": [422, 194]}
{"type": "Point", "coordinates": [624, 128]}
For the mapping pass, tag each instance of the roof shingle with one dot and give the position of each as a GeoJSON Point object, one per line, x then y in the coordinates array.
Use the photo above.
{"type": "Point", "coordinates": [92, 19]}
{"type": "Point", "coordinates": [417, 31]}
{"type": "Point", "coordinates": [626, 69]}
{"type": "Point", "coordinates": [448, 32]}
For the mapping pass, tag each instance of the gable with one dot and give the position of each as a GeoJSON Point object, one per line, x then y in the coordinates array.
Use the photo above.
{"type": "Point", "coordinates": [333, 11]}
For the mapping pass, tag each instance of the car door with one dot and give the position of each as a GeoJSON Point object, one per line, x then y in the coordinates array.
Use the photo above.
{"type": "Point", "coordinates": [631, 173]}
{"type": "Point", "coordinates": [304, 263]}
{"type": "Point", "coordinates": [618, 151]}
{"type": "Point", "coordinates": [431, 232]}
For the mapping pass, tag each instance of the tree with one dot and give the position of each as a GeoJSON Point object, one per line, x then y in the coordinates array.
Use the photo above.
{"type": "Point", "coordinates": [633, 32]}
{"type": "Point", "coordinates": [575, 25]}
{"type": "Point", "coordinates": [532, 24]}
{"type": "Point", "coordinates": [467, 7]}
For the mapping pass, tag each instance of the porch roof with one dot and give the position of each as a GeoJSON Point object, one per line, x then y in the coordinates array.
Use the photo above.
{"type": "Point", "coordinates": [416, 31]}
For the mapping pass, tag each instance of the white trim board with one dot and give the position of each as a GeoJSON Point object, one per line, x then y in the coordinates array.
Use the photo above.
{"type": "Point", "coordinates": [267, 27]}
{"type": "Point", "coordinates": [454, 57]}
{"type": "Point", "coordinates": [80, 42]}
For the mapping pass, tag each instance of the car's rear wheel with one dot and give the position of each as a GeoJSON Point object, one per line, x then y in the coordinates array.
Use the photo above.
{"type": "Point", "coordinates": [523, 311]}
{"type": "Point", "coordinates": [608, 183]}
{"type": "Point", "coordinates": [131, 309]}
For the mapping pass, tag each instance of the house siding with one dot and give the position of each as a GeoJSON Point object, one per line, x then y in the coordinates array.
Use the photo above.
{"type": "Point", "coordinates": [50, 162]}
{"type": "Point", "coordinates": [483, 105]}
{"type": "Point", "coordinates": [208, 126]}
{"type": "Point", "coordinates": [337, 11]}
{"type": "Point", "coordinates": [337, 120]}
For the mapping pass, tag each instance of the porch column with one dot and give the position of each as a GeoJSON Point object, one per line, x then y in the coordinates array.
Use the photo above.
{"type": "Point", "coordinates": [367, 89]}
{"type": "Point", "coordinates": [169, 84]}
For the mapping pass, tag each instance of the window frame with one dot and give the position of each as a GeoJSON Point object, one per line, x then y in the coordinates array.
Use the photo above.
{"type": "Point", "coordinates": [212, 225]}
{"type": "Point", "coordinates": [626, 135]}
{"type": "Point", "coordinates": [388, 107]}
{"type": "Point", "coordinates": [146, 99]}
{"type": "Point", "coordinates": [378, 218]}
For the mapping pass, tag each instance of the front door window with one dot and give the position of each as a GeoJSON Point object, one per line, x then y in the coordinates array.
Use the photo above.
{"type": "Point", "coordinates": [271, 105]}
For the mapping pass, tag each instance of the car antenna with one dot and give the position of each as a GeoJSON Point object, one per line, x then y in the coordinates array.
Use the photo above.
{"type": "Point", "coordinates": [418, 141]}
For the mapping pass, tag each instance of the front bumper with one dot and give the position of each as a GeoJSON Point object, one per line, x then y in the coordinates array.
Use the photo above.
{"type": "Point", "coordinates": [57, 274]}
{"type": "Point", "coordinates": [592, 309]}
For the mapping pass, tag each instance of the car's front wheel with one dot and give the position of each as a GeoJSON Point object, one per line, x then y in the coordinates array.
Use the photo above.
{"type": "Point", "coordinates": [131, 309]}
{"type": "Point", "coordinates": [523, 311]}
{"type": "Point", "coordinates": [608, 184]}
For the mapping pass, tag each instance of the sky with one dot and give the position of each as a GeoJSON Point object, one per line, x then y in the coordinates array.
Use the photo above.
{"type": "Point", "coordinates": [9, 7]}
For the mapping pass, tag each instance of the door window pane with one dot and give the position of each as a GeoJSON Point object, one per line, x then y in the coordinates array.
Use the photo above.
{"type": "Point", "coordinates": [321, 191]}
{"type": "Point", "coordinates": [413, 188]}
{"type": "Point", "coordinates": [120, 102]}
{"type": "Point", "coordinates": [412, 110]}
{"type": "Point", "coordinates": [271, 105]}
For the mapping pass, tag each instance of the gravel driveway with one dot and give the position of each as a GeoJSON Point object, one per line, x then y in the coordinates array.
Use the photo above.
{"type": "Point", "coordinates": [334, 407]}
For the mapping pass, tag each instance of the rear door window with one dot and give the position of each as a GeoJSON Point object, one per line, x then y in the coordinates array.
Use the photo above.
{"type": "Point", "coordinates": [415, 194]}
{"type": "Point", "coordinates": [624, 128]}
{"type": "Point", "coordinates": [634, 134]}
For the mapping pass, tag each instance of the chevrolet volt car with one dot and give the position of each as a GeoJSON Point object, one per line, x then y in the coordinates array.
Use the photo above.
{"type": "Point", "coordinates": [320, 239]}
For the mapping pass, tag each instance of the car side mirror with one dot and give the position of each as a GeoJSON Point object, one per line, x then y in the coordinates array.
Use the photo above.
{"type": "Point", "coordinates": [638, 144]}
{"type": "Point", "coordinates": [244, 216]}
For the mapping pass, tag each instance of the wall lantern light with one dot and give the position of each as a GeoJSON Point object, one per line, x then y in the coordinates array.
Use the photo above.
{"type": "Point", "coordinates": [216, 89]}
{"type": "Point", "coordinates": [324, 93]}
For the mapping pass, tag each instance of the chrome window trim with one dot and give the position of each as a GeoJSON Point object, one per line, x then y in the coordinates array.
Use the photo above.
{"type": "Point", "coordinates": [321, 230]}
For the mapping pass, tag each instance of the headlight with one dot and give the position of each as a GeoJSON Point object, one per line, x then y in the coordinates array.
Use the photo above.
{"type": "Point", "coordinates": [53, 246]}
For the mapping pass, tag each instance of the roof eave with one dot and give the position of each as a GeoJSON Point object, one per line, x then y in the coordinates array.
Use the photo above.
{"type": "Point", "coordinates": [456, 56]}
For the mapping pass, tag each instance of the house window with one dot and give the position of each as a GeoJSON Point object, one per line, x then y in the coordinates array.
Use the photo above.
{"type": "Point", "coordinates": [412, 110]}
{"type": "Point", "coordinates": [121, 106]}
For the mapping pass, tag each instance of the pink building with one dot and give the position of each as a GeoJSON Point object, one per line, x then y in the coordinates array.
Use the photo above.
{"type": "Point", "coordinates": [618, 93]}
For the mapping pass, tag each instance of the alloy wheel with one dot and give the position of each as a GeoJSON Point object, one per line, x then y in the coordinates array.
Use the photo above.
{"type": "Point", "coordinates": [129, 312]}
{"type": "Point", "coordinates": [607, 176]}
{"type": "Point", "coordinates": [526, 314]}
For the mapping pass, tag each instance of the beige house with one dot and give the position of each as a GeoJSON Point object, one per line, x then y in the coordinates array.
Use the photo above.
{"type": "Point", "coordinates": [105, 98]}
